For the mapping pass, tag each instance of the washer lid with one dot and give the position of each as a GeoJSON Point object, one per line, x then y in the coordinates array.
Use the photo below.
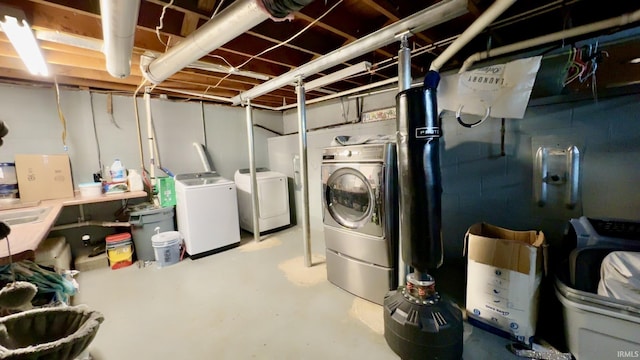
{"type": "Point", "coordinates": [205, 174]}
{"type": "Point", "coordinates": [218, 180]}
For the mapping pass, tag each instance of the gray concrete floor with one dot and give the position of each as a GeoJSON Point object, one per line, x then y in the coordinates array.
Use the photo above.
{"type": "Point", "coordinates": [254, 301]}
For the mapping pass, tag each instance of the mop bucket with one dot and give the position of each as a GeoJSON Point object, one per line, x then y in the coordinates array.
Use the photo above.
{"type": "Point", "coordinates": [119, 250]}
{"type": "Point", "coordinates": [166, 246]}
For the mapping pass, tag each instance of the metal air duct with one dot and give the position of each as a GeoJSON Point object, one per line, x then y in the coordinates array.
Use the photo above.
{"type": "Point", "coordinates": [119, 20]}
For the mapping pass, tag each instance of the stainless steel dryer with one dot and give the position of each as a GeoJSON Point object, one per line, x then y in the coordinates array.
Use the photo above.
{"type": "Point", "coordinates": [359, 191]}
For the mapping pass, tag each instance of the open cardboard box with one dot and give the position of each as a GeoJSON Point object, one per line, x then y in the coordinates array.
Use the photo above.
{"type": "Point", "coordinates": [503, 279]}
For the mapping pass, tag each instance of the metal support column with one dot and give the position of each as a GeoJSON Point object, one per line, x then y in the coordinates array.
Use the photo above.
{"type": "Point", "coordinates": [302, 121]}
{"type": "Point", "coordinates": [404, 83]}
{"type": "Point", "coordinates": [254, 180]}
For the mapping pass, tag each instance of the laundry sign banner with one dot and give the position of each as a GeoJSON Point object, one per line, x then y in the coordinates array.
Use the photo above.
{"type": "Point", "coordinates": [499, 91]}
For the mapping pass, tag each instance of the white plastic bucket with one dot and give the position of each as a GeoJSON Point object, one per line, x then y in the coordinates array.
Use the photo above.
{"type": "Point", "coordinates": [166, 246]}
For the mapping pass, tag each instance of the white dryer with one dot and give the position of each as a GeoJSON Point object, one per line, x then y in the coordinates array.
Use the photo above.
{"type": "Point", "coordinates": [207, 212]}
{"type": "Point", "coordinates": [273, 199]}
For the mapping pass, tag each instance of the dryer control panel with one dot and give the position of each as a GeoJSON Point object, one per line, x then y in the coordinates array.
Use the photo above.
{"type": "Point", "coordinates": [360, 153]}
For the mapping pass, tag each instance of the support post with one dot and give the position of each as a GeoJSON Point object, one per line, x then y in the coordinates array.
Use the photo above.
{"type": "Point", "coordinates": [254, 179]}
{"type": "Point", "coordinates": [404, 83]}
{"type": "Point", "coordinates": [302, 124]}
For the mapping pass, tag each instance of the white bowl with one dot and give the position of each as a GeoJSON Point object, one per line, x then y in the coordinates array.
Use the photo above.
{"type": "Point", "coordinates": [90, 189]}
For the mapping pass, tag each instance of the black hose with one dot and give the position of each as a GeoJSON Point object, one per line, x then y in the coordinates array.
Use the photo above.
{"type": "Point", "coordinates": [282, 8]}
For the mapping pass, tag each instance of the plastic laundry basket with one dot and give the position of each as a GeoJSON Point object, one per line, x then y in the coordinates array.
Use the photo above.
{"type": "Point", "coordinates": [166, 247]}
{"type": "Point", "coordinates": [144, 219]}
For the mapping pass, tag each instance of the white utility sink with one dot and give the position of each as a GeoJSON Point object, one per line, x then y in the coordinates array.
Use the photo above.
{"type": "Point", "coordinates": [24, 216]}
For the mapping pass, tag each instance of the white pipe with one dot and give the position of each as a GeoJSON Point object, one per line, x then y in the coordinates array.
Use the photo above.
{"type": "Point", "coordinates": [496, 9]}
{"type": "Point", "coordinates": [193, 93]}
{"type": "Point", "coordinates": [338, 95]}
{"type": "Point", "coordinates": [436, 14]}
{"type": "Point", "coordinates": [152, 160]}
{"type": "Point", "coordinates": [91, 223]}
{"type": "Point", "coordinates": [545, 39]}
{"type": "Point", "coordinates": [338, 75]}
{"type": "Point", "coordinates": [119, 20]}
{"type": "Point", "coordinates": [236, 19]}
{"type": "Point", "coordinates": [203, 158]}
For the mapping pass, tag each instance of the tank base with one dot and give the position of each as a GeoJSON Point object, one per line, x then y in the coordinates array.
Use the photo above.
{"type": "Point", "coordinates": [431, 330]}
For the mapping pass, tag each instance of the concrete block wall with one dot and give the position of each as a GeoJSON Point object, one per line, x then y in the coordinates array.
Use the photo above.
{"type": "Point", "coordinates": [480, 185]}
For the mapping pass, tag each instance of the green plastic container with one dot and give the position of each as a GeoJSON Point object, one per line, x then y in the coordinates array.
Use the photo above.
{"type": "Point", "coordinates": [166, 191]}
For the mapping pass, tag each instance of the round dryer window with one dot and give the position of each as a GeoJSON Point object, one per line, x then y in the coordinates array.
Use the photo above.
{"type": "Point", "coordinates": [349, 198]}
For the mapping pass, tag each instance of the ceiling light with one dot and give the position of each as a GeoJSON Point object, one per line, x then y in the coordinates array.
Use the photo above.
{"type": "Point", "coordinates": [635, 61]}
{"type": "Point", "coordinates": [338, 75]}
{"type": "Point", "coordinates": [19, 33]}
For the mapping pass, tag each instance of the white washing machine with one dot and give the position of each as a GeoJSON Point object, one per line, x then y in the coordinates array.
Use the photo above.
{"type": "Point", "coordinates": [273, 199]}
{"type": "Point", "coordinates": [207, 211]}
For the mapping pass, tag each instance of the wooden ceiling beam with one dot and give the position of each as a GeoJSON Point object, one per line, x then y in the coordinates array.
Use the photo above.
{"type": "Point", "coordinates": [388, 11]}
{"type": "Point", "coordinates": [145, 38]}
{"type": "Point", "coordinates": [349, 38]}
{"type": "Point", "coordinates": [89, 25]}
{"type": "Point", "coordinates": [207, 5]}
{"type": "Point", "coordinates": [63, 55]}
{"type": "Point", "coordinates": [64, 80]}
{"type": "Point", "coordinates": [189, 24]}
{"type": "Point", "coordinates": [193, 14]}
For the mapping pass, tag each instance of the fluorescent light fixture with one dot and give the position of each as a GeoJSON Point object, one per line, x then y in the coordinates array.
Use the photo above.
{"type": "Point", "coordinates": [635, 61]}
{"type": "Point", "coordinates": [338, 75]}
{"type": "Point", "coordinates": [19, 33]}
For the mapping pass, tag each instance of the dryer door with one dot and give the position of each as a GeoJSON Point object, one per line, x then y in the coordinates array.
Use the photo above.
{"type": "Point", "coordinates": [351, 196]}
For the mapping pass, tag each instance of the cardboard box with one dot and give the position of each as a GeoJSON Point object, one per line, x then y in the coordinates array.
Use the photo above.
{"type": "Point", "coordinates": [504, 272]}
{"type": "Point", "coordinates": [43, 177]}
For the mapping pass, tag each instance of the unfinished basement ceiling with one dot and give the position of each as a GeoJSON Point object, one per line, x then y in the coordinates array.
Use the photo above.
{"type": "Point", "coordinates": [345, 22]}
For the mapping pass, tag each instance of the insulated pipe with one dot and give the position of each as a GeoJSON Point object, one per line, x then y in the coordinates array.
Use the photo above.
{"type": "Point", "coordinates": [545, 39]}
{"type": "Point", "coordinates": [436, 14]}
{"type": "Point", "coordinates": [304, 176]}
{"type": "Point", "coordinates": [236, 19]}
{"type": "Point", "coordinates": [254, 180]}
{"type": "Point", "coordinates": [496, 9]}
{"type": "Point", "coordinates": [119, 20]}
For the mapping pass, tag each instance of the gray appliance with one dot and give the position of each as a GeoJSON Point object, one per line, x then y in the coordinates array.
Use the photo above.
{"type": "Point", "coordinates": [360, 202]}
